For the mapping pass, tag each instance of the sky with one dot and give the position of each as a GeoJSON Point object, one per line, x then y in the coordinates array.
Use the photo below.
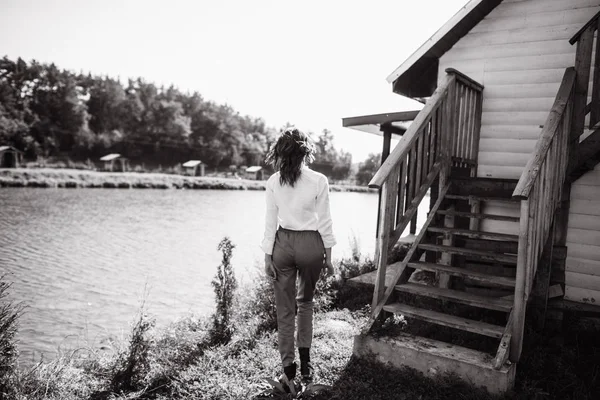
{"type": "Point", "coordinates": [310, 63]}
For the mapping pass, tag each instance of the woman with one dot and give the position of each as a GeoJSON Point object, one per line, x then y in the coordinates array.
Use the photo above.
{"type": "Point", "coordinates": [297, 244]}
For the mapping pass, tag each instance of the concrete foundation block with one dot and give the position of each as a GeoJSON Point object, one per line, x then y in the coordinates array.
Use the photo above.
{"type": "Point", "coordinates": [433, 357]}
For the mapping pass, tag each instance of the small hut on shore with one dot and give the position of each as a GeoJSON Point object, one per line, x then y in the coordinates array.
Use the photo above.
{"type": "Point", "coordinates": [194, 168]}
{"type": "Point", "coordinates": [114, 162]}
{"type": "Point", "coordinates": [10, 157]}
{"type": "Point", "coordinates": [255, 173]}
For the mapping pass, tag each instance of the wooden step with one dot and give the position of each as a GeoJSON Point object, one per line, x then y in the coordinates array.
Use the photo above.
{"type": "Point", "coordinates": [451, 321]}
{"type": "Point", "coordinates": [475, 234]}
{"type": "Point", "coordinates": [482, 255]}
{"type": "Point", "coordinates": [489, 303]}
{"type": "Point", "coordinates": [484, 187]}
{"type": "Point", "coordinates": [453, 213]}
{"type": "Point", "coordinates": [480, 198]}
{"type": "Point", "coordinates": [480, 277]}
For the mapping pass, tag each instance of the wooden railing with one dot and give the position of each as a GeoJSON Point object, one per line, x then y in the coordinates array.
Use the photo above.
{"type": "Point", "coordinates": [583, 66]}
{"type": "Point", "coordinates": [446, 128]}
{"type": "Point", "coordinates": [539, 189]}
{"type": "Point", "coordinates": [467, 114]}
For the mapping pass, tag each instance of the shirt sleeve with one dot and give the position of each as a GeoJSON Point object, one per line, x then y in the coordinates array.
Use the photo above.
{"type": "Point", "coordinates": [270, 220]}
{"type": "Point", "coordinates": [325, 224]}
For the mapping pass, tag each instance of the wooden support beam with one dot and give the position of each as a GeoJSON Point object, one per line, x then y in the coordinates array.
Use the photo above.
{"type": "Point", "coordinates": [518, 325]}
{"type": "Point", "coordinates": [539, 292]}
{"type": "Point", "coordinates": [475, 209]}
{"type": "Point", "coordinates": [504, 347]}
{"type": "Point", "coordinates": [446, 258]}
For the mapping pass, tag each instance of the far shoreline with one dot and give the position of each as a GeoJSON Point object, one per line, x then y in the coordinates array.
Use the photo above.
{"type": "Point", "coordinates": [78, 178]}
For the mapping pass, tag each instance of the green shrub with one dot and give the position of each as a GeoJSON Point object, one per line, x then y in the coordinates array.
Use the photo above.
{"type": "Point", "coordinates": [336, 292]}
{"type": "Point", "coordinates": [259, 302]}
{"type": "Point", "coordinates": [225, 286]}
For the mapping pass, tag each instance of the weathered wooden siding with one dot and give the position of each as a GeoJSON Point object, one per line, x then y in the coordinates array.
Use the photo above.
{"type": "Point", "coordinates": [519, 52]}
{"type": "Point", "coordinates": [582, 276]}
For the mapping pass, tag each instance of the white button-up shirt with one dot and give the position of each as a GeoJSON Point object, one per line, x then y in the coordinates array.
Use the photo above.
{"type": "Point", "coordinates": [303, 207]}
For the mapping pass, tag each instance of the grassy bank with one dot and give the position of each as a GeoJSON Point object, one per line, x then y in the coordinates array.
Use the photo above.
{"type": "Point", "coordinates": [185, 361]}
{"type": "Point", "coordinates": [76, 178]}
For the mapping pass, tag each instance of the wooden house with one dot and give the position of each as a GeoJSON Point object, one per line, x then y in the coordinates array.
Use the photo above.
{"type": "Point", "coordinates": [115, 162]}
{"type": "Point", "coordinates": [194, 168]}
{"type": "Point", "coordinates": [508, 146]}
{"type": "Point", "coordinates": [10, 157]}
{"type": "Point", "coordinates": [255, 172]}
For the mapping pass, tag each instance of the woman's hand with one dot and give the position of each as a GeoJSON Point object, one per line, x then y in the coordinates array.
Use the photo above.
{"type": "Point", "coordinates": [327, 264]}
{"type": "Point", "coordinates": [270, 267]}
{"type": "Point", "coordinates": [328, 268]}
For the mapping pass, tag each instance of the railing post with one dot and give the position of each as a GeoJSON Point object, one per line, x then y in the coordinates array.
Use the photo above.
{"type": "Point", "coordinates": [520, 301]}
{"type": "Point", "coordinates": [389, 193]}
{"type": "Point", "coordinates": [477, 131]}
{"type": "Point", "coordinates": [447, 133]}
{"type": "Point", "coordinates": [595, 111]}
{"type": "Point", "coordinates": [583, 60]}
{"type": "Point", "coordinates": [385, 152]}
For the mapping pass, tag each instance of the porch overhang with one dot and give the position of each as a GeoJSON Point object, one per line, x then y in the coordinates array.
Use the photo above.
{"type": "Point", "coordinates": [395, 123]}
{"type": "Point", "coordinates": [417, 76]}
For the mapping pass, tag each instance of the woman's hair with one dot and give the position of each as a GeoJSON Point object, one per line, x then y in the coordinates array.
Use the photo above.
{"type": "Point", "coordinates": [292, 149]}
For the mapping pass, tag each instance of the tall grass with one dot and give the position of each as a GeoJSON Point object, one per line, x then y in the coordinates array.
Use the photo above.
{"type": "Point", "coordinates": [9, 316]}
{"type": "Point", "coordinates": [181, 361]}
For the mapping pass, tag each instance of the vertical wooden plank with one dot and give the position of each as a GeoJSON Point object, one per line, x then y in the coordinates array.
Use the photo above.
{"type": "Point", "coordinates": [402, 174]}
{"type": "Point", "coordinates": [476, 131]}
{"type": "Point", "coordinates": [460, 135]}
{"type": "Point", "coordinates": [467, 126]}
{"type": "Point", "coordinates": [433, 138]}
{"type": "Point", "coordinates": [420, 160]}
{"type": "Point", "coordinates": [426, 152]}
{"type": "Point", "coordinates": [516, 344]}
{"type": "Point", "coordinates": [410, 187]}
{"type": "Point", "coordinates": [466, 134]}
{"type": "Point", "coordinates": [595, 111]}
{"type": "Point", "coordinates": [531, 234]}
{"type": "Point", "coordinates": [544, 209]}
{"type": "Point", "coordinates": [472, 156]}
{"type": "Point", "coordinates": [412, 183]}
{"type": "Point", "coordinates": [472, 125]}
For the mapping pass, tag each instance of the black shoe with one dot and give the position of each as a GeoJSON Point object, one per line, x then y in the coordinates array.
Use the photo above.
{"type": "Point", "coordinates": [307, 372]}
{"type": "Point", "coordinates": [288, 381]}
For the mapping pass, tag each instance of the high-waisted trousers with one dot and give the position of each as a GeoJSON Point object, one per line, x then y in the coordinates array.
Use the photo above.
{"type": "Point", "coordinates": [297, 256]}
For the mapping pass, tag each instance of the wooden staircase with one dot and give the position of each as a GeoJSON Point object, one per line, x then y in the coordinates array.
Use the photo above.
{"type": "Point", "coordinates": [471, 322]}
{"type": "Point", "coordinates": [442, 248]}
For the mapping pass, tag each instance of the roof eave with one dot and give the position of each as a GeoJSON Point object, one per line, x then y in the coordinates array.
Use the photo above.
{"type": "Point", "coordinates": [417, 76]}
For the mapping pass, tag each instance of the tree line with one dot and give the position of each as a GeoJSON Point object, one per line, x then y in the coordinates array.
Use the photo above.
{"type": "Point", "coordinates": [50, 112]}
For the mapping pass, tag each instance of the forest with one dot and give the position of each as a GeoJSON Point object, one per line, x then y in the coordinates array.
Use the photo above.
{"type": "Point", "coordinates": [52, 113]}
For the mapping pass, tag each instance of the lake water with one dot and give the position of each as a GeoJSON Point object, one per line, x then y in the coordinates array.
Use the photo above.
{"type": "Point", "coordinates": [82, 260]}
